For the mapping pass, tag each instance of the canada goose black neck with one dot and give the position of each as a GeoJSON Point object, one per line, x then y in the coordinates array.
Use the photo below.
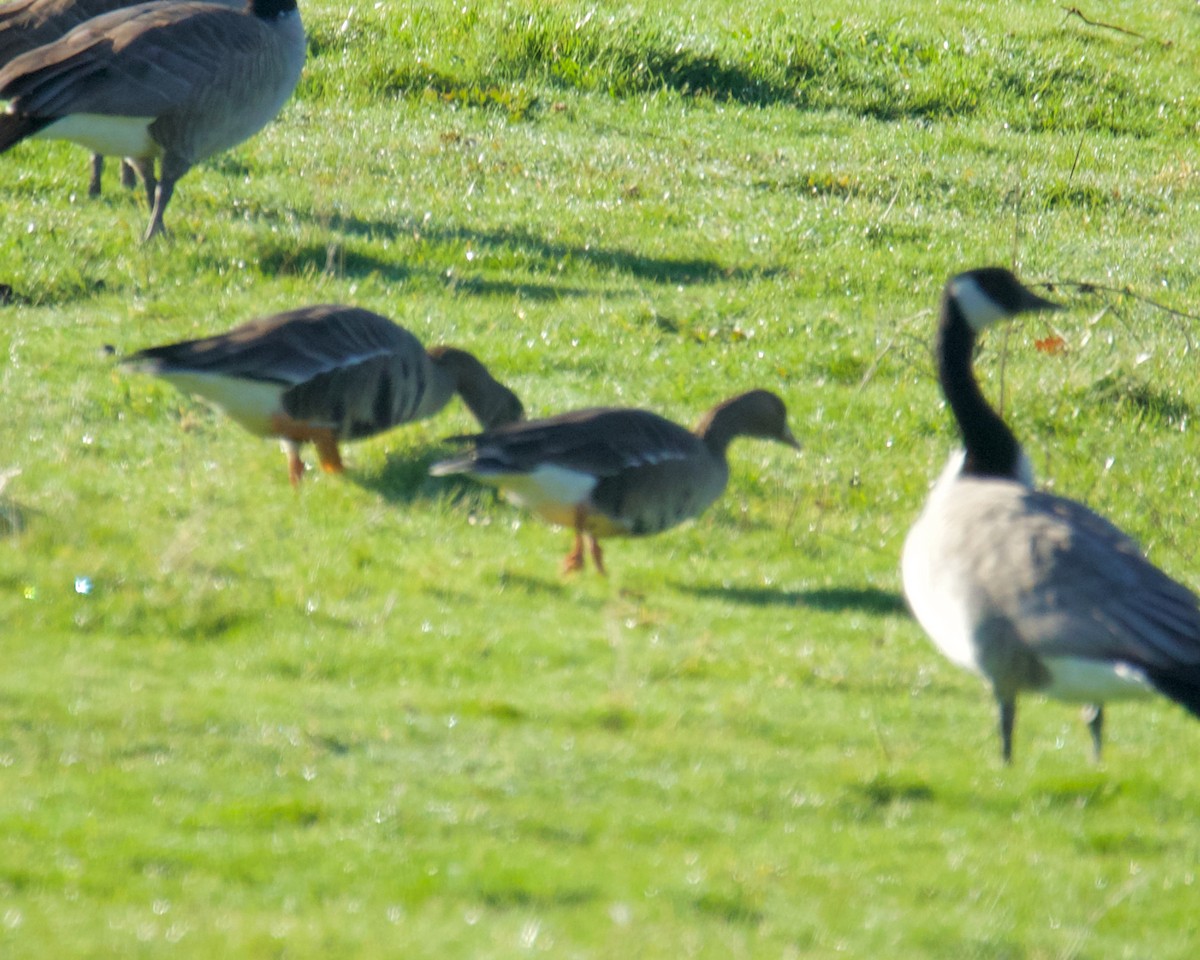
{"type": "Point", "coordinates": [271, 9]}
{"type": "Point", "coordinates": [992, 448]}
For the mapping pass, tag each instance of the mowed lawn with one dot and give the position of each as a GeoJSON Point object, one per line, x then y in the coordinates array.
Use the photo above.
{"type": "Point", "coordinates": [371, 718]}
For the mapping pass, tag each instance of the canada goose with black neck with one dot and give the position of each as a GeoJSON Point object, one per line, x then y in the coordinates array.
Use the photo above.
{"type": "Point", "coordinates": [611, 471]}
{"type": "Point", "coordinates": [1033, 591]}
{"type": "Point", "coordinates": [175, 80]}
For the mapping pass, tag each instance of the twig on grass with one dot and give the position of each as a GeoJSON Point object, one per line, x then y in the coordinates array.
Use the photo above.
{"type": "Point", "coordinates": [901, 327]}
{"type": "Point", "coordinates": [1086, 286]}
{"type": "Point", "coordinates": [1076, 12]}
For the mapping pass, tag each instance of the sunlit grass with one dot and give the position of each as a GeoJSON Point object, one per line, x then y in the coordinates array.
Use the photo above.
{"type": "Point", "coordinates": [371, 718]}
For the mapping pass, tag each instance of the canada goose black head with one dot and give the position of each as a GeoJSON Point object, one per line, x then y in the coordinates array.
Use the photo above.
{"type": "Point", "coordinates": [971, 302]}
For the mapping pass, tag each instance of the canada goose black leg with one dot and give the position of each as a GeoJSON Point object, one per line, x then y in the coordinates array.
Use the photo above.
{"type": "Point", "coordinates": [1093, 714]}
{"type": "Point", "coordinates": [145, 170]}
{"type": "Point", "coordinates": [97, 169]}
{"type": "Point", "coordinates": [597, 556]}
{"type": "Point", "coordinates": [128, 175]}
{"type": "Point", "coordinates": [1008, 716]}
{"type": "Point", "coordinates": [162, 196]}
{"type": "Point", "coordinates": [170, 170]}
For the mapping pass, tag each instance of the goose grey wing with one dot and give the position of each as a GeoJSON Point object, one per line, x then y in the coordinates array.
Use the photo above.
{"type": "Point", "coordinates": [26, 24]}
{"type": "Point", "coordinates": [289, 348]}
{"type": "Point", "coordinates": [1075, 584]}
{"type": "Point", "coordinates": [146, 60]}
{"type": "Point", "coordinates": [601, 441]}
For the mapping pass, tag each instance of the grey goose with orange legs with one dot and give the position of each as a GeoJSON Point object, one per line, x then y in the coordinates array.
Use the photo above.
{"type": "Point", "coordinates": [617, 472]}
{"type": "Point", "coordinates": [325, 374]}
{"type": "Point", "coordinates": [174, 80]}
{"type": "Point", "coordinates": [1034, 591]}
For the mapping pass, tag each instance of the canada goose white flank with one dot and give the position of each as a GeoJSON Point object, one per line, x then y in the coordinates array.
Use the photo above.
{"type": "Point", "coordinates": [1033, 591]}
{"type": "Point", "coordinates": [609, 471]}
{"type": "Point", "coordinates": [172, 80]}
{"type": "Point", "coordinates": [327, 373]}
{"type": "Point", "coordinates": [28, 24]}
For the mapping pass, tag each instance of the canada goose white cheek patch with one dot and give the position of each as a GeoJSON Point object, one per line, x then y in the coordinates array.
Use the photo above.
{"type": "Point", "coordinates": [979, 310]}
{"type": "Point", "coordinates": [111, 136]}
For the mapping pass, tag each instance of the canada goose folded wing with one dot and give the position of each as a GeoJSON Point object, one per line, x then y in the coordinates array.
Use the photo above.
{"type": "Point", "coordinates": [141, 61]}
{"type": "Point", "coordinates": [1072, 583]}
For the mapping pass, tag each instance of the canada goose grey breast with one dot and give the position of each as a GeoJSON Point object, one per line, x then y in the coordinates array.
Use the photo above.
{"type": "Point", "coordinates": [1070, 582]}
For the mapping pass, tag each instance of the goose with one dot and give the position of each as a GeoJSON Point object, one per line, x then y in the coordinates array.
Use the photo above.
{"type": "Point", "coordinates": [28, 24]}
{"type": "Point", "coordinates": [611, 471]}
{"type": "Point", "coordinates": [326, 373]}
{"type": "Point", "coordinates": [1034, 591]}
{"type": "Point", "coordinates": [175, 80]}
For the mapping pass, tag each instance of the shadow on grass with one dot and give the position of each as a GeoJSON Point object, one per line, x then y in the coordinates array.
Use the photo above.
{"type": "Point", "coordinates": [880, 603]}
{"type": "Point", "coordinates": [344, 258]}
{"type": "Point", "coordinates": [403, 479]}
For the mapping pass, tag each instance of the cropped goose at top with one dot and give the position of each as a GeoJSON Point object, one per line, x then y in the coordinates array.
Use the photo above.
{"type": "Point", "coordinates": [1034, 591]}
{"type": "Point", "coordinates": [611, 471]}
{"type": "Point", "coordinates": [28, 24]}
{"type": "Point", "coordinates": [325, 374]}
{"type": "Point", "coordinates": [172, 80]}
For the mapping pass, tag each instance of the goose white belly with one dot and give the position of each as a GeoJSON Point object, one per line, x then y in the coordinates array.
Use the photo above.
{"type": "Point", "coordinates": [252, 403]}
{"type": "Point", "coordinates": [1079, 680]}
{"type": "Point", "coordinates": [110, 136]}
{"type": "Point", "coordinates": [938, 597]}
{"type": "Point", "coordinates": [936, 601]}
{"type": "Point", "coordinates": [549, 491]}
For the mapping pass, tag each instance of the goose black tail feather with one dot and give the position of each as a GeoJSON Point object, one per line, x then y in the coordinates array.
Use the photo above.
{"type": "Point", "coordinates": [15, 127]}
{"type": "Point", "coordinates": [1181, 684]}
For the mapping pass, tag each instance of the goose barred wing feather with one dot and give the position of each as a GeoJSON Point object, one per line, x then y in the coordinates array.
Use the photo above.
{"type": "Point", "coordinates": [602, 442]}
{"type": "Point", "coordinates": [363, 397]}
{"type": "Point", "coordinates": [289, 348]}
{"type": "Point", "coordinates": [1071, 582]}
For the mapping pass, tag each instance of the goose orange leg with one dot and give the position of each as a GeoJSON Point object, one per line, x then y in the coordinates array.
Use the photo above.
{"type": "Point", "coordinates": [327, 450]}
{"type": "Point", "coordinates": [295, 432]}
{"type": "Point", "coordinates": [291, 450]}
{"type": "Point", "coordinates": [574, 560]}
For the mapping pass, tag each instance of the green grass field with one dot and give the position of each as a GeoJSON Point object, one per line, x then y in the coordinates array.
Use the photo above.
{"type": "Point", "coordinates": [371, 719]}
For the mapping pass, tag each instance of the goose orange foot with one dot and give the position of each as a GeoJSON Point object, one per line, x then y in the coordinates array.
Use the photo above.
{"type": "Point", "coordinates": [574, 560]}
